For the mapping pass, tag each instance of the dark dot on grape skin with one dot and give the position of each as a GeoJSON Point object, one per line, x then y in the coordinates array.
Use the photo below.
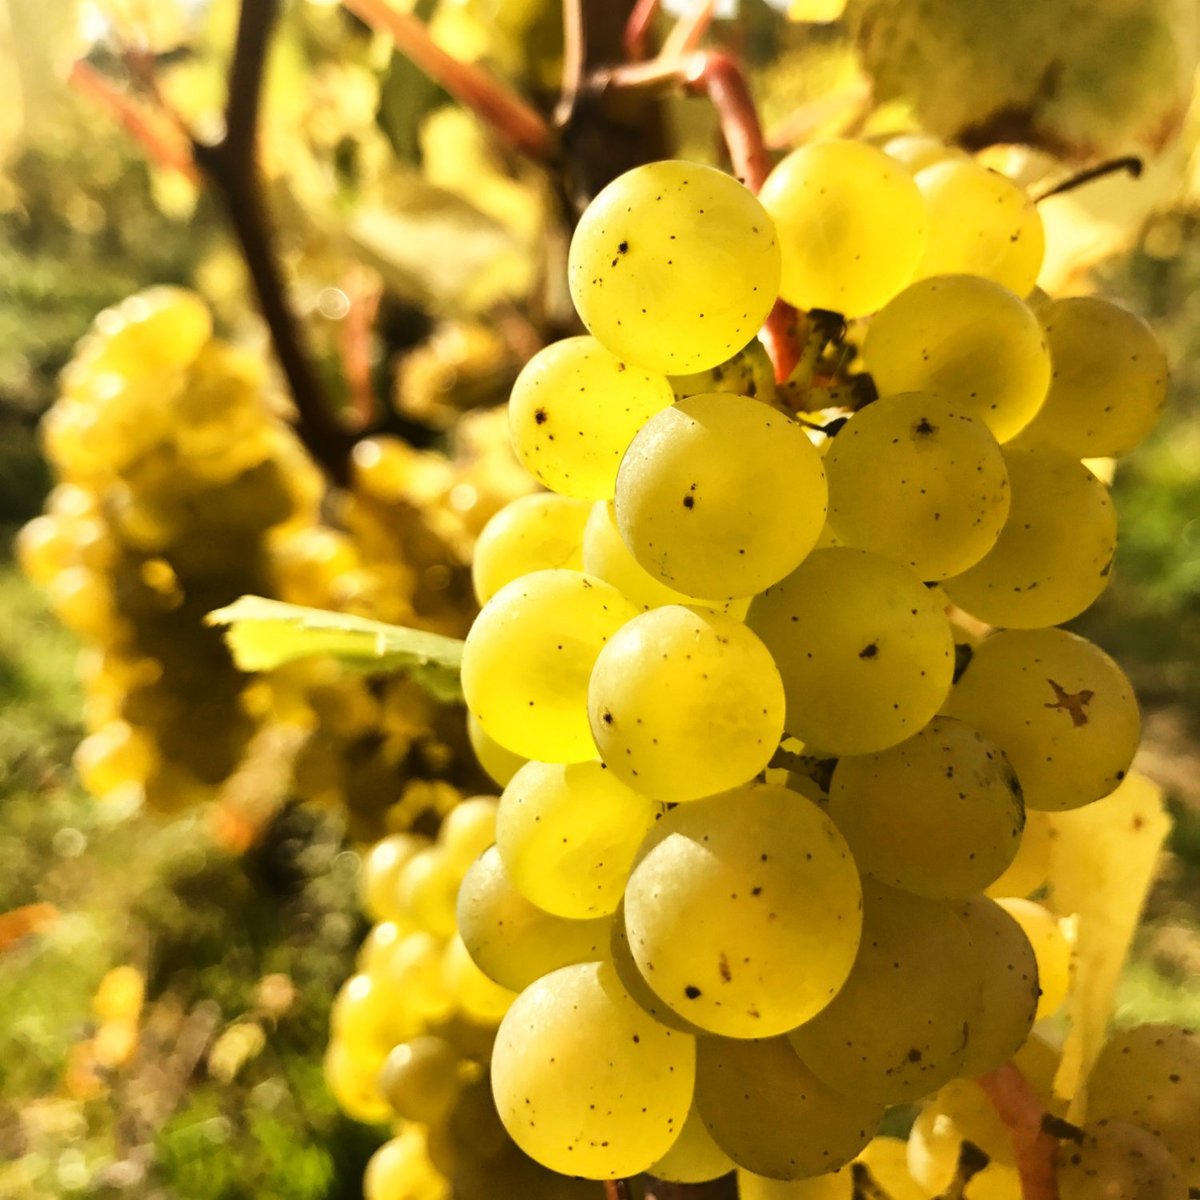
{"type": "Point", "coordinates": [692, 992]}
{"type": "Point", "coordinates": [540, 416]}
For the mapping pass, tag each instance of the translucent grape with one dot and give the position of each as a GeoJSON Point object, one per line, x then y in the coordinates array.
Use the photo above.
{"type": "Point", "coordinates": [1005, 972]}
{"type": "Point", "coordinates": [939, 815]}
{"type": "Point", "coordinates": [864, 649]}
{"type": "Point", "coordinates": [684, 703]}
{"type": "Point", "coordinates": [914, 1043]}
{"type": "Point", "coordinates": [749, 372]}
{"type": "Point", "coordinates": [352, 1081]}
{"type": "Point", "coordinates": [480, 998]}
{"type": "Point", "coordinates": [720, 496]}
{"type": "Point", "coordinates": [427, 887]}
{"type": "Point", "coordinates": [512, 941]}
{"type": "Point", "coordinates": [401, 1168]}
{"type": "Point", "coordinates": [1029, 868]}
{"type": "Point", "coordinates": [531, 533]}
{"type": "Point", "coordinates": [884, 1158]}
{"type": "Point", "coordinates": [420, 1078]}
{"type": "Point", "coordinates": [1118, 1160]}
{"type": "Point", "coordinates": [1150, 1075]}
{"type": "Point", "coordinates": [380, 869]}
{"type": "Point", "coordinates": [499, 763]}
{"type": "Point", "coordinates": [919, 150]}
{"type": "Point", "coordinates": [528, 658]}
{"type": "Point", "coordinates": [980, 223]}
{"type": "Point", "coordinates": [674, 266]}
{"type": "Point", "coordinates": [567, 835]}
{"type": "Point", "coordinates": [694, 1157]}
{"type": "Point", "coordinates": [914, 480]}
{"type": "Point", "coordinates": [571, 1072]}
{"type": "Point", "coordinates": [1060, 709]}
{"type": "Point", "coordinates": [1054, 554]}
{"type": "Point", "coordinates": [961, 1111]}
{"type": "Point", "coordinates": [574, 409]}
{"type": "Point", "coordinates": [743, 910]}
{"type": "Point", "coordinates": [467, 830]}
{"type": "Point", "coordinates": [1110, 378]}
{"type": "Point", "coordinates": [851, 225]}
{"type": "Point", "coordinates": [967, 339]}
{"type": "Point", "coordinates": [772, 1115]}
{"type": "Point", "coordinates": [1051, 948]}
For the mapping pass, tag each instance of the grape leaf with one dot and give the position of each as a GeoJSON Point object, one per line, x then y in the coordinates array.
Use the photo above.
{"type": "Point", "coordinates": [1102, 861]}
{"type": "Point", "coordinates": [263, 634]}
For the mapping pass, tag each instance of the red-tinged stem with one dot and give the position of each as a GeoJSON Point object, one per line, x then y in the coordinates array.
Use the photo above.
{"type": "Point", "coordinates": [637, 30]}
{"type": "Point", "coordinates": [1018, 1106]}
{"type": "Point", "coordinates": [162, 149]}
{"type": "Point", "coordinates": [522, 126]}
{"type": "Point", "coordinates": [688, 32]}
{"type": "Point", "coordinates": [616, 1189]}
{"type": "Point", "coordinates": [720, 75]}
{"type": "Point", "coordinates": [781, 337]}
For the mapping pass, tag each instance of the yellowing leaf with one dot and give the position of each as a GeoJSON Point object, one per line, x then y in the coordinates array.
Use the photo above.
{"type": "Point", "coordinates": [263, 634]}
{"type": "Point", "coordinates": [1102, 861]}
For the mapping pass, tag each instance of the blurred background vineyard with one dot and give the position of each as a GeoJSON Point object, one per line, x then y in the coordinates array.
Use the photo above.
{"type": "Point", "coordinates": [168, 952]}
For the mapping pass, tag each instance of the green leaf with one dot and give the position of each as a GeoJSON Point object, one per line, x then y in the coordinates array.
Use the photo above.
{"type": "Point", "coordinates": [263, 634]}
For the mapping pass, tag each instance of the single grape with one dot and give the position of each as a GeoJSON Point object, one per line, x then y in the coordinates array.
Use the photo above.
{"type": "Point", "coordinates": [772, 1115]}
{"type": "Point", "coordinates": [1061, 710]}
{"type": "Point", "coordinates": [693, 1157]}
{"type": "Point", "coordinates": [529, 655]}
{"type": "Point", "coordinates": [500, 764]}
{"type": "Point", "coordinates": [531, 533]}
{"type": "Point", "coordinates": [420, 1078]}
{"type": "Point", "coordinates": [1054, 554]}
{"type": "Point", "coordinates": [915, 1043]}
{"type": "Point", "coordinates": [851, 225]}
{"type": "Point", "coordinates": [352, 1080]}
{"type": "Point", "coordinates": [674, 266]}
{"type": "Point", "coordinates": [685, 703]}
{"type": "Point", "coordinates": [1110, 378]}
{"type": "Point", "coordinates": [968, 340]}
{"type": "Point", "coordinates": [915, 480]}
{"type": "Point", "coordinates": [402, 1168]}
{"type": "Point", "coordinates": [1029, 868]}
{"type": "Point", "coordinates": [1117, 1160]}
{"type": "Point", "coordinates": [920, 150]}
{"type": "Point", "coordinates": [584, 1081]}
{"type": "Point", "coordinates": [939, 815]}
{"type": "Point", "coordinates": [568, 834]}
{"type": "Point", "coordinates": [380, 869]}
{"type": "Point", "coordinates": [743, 911]}
{"type": "Point", "coordinates": [980, 223]}
{"type": "Point", "coordinates": [574, 409]}
{"type": "Point", "coordinates": [720, 496]}
{"type": "Point", "coordinates": [467, 830]}
{"type": "Point", "coordinates": [864, 649]}
{"type": "Point", "coordinates": [1051, 947]}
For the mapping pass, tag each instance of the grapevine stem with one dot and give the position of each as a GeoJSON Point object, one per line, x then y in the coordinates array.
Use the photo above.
{"type": "Point", "coordinates": [637, 30]}
{"type": "Point", "coordinates": [1130, 164]}
{"type": "Point", "coordinates": [522, 126]}
{"type": "Point", "coordinates": [1018, 1107]}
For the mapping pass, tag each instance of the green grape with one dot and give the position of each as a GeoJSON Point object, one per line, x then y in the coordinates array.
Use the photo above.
{"type": "Point", "coordinates": [1118, 1160]}
{"type": "Point", "coordinates": [512, 941]}
{"type": "Point", "coordinates": [585, 1082]}
{"type": "Point", "coordinates": [960, 1111]}
{"type": "Point", "coordinates": [915, 480]}
{"type": "Point", "coordinates": [529, 655]}
{"type": "Point", "coordinates": [851, 226]}
{"type": "Point", "coordinates": [427, 889]}
{"type": "Point", "coordinates": [363, 1020]}
{"type": "Point", "coordinates": [915, 1043]}
{"type": "Point", "coordinates": [749, 372]}
{"type": "Point", "coordinates": [401, 1170]}
{"type": "Point", "coordinates": [772, 1115]}
{"type": "Point", "coordinates": [574, 409]}
{"type": "Point", "coordinates": [1029, 868]}
{"type": "Point", "coordinates": [693, 1157]}
{"type": "Point", "coordinates": [1110, 378]}
{"type": "Point", "coordinates": [939, 815]}
{"type": "Point", "coordinates": [530, 533]}
{"type": "Point", "coordinates": [467, 830]}
{"type": "Point", "coordinates": [743, 911]}
{"type": "Point", "coordinates": [1051, 948]}
{"type": "Point", "coordinates": [720, 496]}
{"type": "Point", "coordinates": [674, 266]}
{"type": "Point", "coordinates": [980, 223]}
{"type": "Point", "coordinates": [865, 651]}
{"type": "Point", "coordinates": [1061, 710]}
{"type": "Point", "coordinates": [685, 703]}
{"type": "Point", "coordinates": [920, 150]}
{"type": "Point", "coordinates": [568, 834]}
{"type": "Point", "coordinates": [411, 979]}
{"type": "Point", "coordinates": [1054, 554]}
{"type": "Point", "coordinates": [480, 998]}
{"type": "Point", "coordinates": [353, 1082]}
{"type": "Point", "coordinates": [606, 555]}
{"type": "Point", "coordinates": [1005, 972]}
{"type": "Point", "coordinates": [381, 868]}
{"type": "Point", "coordinates": [969, 340]}
{"type": "Point", "coordinates": [420, 1078]}
{"type": "Point", "coordinates": [1150, 1075]}
{"type": "Point", "coordinates": [500, 764]}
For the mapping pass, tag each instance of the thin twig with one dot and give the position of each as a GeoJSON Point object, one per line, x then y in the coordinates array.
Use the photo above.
{"type": "Point", "coordinates": [522, 126]}
{"type": "Point", "coordinates": [1018, 1106]}
{"type": "Point", "coordinates": [574, 60]}
{"type": "Point", "coordinates": [1130, 164]}
{"type": "Point", "coordinates": [637, 30]}
{"type": "Point", "coordinates": [688, 32]}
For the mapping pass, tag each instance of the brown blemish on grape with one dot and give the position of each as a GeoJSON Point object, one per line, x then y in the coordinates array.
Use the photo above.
{"type": "Point", "coordinates": [540, 416]}
{"type": "Point", "coordinates": [723, 968]}
{"type": "Point", "coordinates": [924, 427]}
{"type": "Point", "coordinates": [1072, 702]}
{"type": "Point", "coordinates": [869, 651]}
{"type": "Point", "coordinates": [692, 992]}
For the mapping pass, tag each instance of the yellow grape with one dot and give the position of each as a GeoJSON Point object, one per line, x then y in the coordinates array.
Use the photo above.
{"type": "Point", "coordinates": [529, 655]}
{"type": "Point", "coordinates": [674, 266]}
{"type": "Point", "coordinates": [920, 150]}
{"type": "Point", "coordinates": [500, 764]}
{"type": "Point", "coordinates": [960, 1111]}
{"type": "Point", "coordinates": [467, 830]}
{"type": "Point", "coordinates": [1051, 948]}
{"type": "Point", "coordinates": [401, 1170]}
{"type": "Point", "coordinates": [851, 225]}
{"type": "Point", "coordinates": [685, 703]}
{"type": "Point", "coordinates": [574, 409]}
{"type": "Point", "coordinates": [1028, 870]}
{"type": "Point", "coordinates": [420, 1078]}
{"type": "Point", "coordinates": [427, 889]}
{"type": "Point", "coordinates": [587, 1083]}
{"type": "Point", "coordinates": [1118, 1160]}
{"type": "Point", "coordinates": [884, 1157]}
{"type": "Point", "coordinates": [352, 1081]}
{"type": "Point", "coordinates": [693, 1157]}
{"type": "Point", "coordinates": [720, 496]}
{"type": "Point", "coordinates": [381, 868]}
{"type": "Point", "coordinates": [480, 998]}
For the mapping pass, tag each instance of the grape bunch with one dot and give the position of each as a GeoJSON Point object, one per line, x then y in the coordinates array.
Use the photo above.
{"type": "Point", "coordinates": [775, 682]}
